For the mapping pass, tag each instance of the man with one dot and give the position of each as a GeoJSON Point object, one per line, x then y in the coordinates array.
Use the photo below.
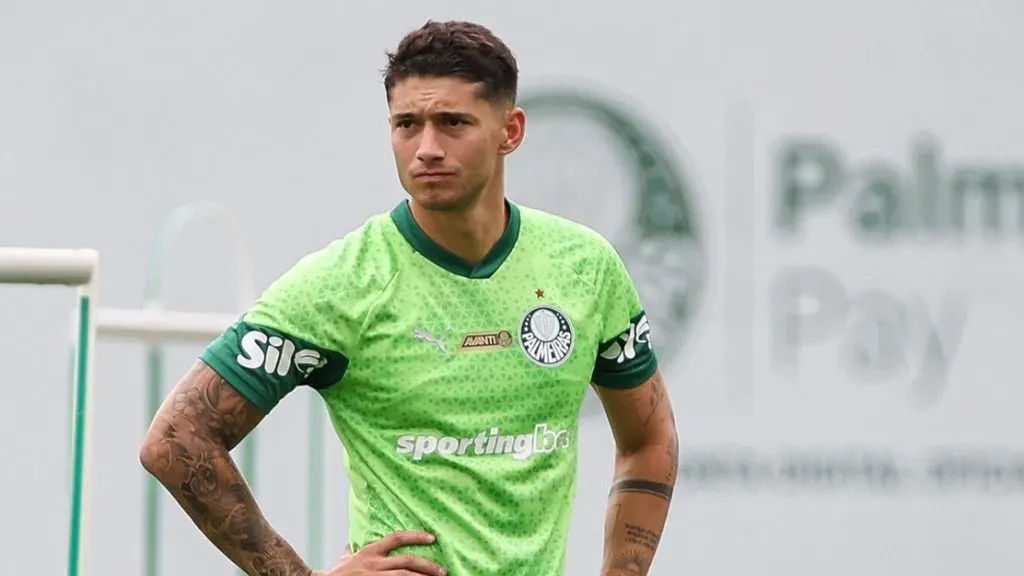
{"type": "Point", "coordinates": [452, 340]}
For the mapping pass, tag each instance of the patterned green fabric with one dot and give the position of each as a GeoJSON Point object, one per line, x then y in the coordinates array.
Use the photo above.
{"type": "Point", "coordinates": [455, 389]}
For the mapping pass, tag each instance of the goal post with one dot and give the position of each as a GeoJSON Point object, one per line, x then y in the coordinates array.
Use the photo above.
{"type": "Point", "coordinates": [73, 268]}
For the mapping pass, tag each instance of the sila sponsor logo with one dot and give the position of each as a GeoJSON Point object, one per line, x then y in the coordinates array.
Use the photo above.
{"type": "Point", "coordinates": [276, 355]}
{"type": "Point", "coordinates": [543, 440]}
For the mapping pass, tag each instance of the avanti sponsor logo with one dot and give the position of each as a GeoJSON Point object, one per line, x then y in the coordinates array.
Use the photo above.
{"type": "Point", "coordinates": [487, 340]}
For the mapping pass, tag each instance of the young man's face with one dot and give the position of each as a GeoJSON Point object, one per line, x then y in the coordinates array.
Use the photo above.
{"type": "Point", "coordinates": [447, 140]}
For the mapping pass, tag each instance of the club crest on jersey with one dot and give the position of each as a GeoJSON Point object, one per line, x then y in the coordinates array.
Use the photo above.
{"type": "Point", "coordinates": [546, 335]}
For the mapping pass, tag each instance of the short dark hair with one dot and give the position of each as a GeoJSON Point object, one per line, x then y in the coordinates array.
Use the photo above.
{"type": "Point", "coordinates": [456, 49]}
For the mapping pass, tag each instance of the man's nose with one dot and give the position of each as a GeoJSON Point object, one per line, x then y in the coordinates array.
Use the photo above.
{"type": "Point", "coordinates": [430, 149]}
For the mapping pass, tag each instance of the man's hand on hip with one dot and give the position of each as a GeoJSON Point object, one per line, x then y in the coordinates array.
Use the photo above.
{"type": "Point", "coordinates": [373, 558]}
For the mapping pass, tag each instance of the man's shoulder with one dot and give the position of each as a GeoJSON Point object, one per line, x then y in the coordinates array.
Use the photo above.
{"type": "Point", "coordinates": [554, 229]}
{"type": "Point", "coordinates": [372, 235]}
{"type": "Point", "coordinates": [365, 257]}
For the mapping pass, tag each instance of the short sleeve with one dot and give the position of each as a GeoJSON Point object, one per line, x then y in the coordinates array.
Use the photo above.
{"type": "Point", "coordinates": [291, 336]}
{"type": "Point", "coordinates": [625, 356]}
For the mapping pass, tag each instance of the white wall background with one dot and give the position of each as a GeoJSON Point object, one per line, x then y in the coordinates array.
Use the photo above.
{"type": "Point", "coordinates": [113, 113]}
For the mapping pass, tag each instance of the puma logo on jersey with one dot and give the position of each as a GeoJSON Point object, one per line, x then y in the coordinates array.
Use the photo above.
{"type": "Point", "coordinates": [276, 355]}
{"type": "Point", "coordinates": [625, 346]}
{"type": "Point", "coordinates": [424, 335]}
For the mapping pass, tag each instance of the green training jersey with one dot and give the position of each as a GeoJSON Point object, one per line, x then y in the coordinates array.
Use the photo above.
{"type": "Point", "coordinates": [455, 389]}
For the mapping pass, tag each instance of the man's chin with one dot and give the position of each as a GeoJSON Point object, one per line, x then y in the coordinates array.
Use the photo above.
{"type": "Point", "coordinates": [442, 200]}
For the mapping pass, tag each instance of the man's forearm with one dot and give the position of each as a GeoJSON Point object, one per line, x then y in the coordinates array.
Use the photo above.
{"type": "Point", "coordinates": [637, 509]}
{"type": "Point", "coordinates": [187, 451]}
{"type": "Point", "coordinates": [212, 492]}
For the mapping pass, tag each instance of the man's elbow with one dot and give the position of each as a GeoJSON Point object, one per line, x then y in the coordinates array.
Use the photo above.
{"type": "Point", "coordinates": [654, 435]}
{"type": "Point", "coordinates": [652, 454]}
{"type": "Point", "coordinates": [152, 454]}
{"type": "Point", "coordinates": [655, 450]}
{"type": "Point", "coordinates": [162, 447]}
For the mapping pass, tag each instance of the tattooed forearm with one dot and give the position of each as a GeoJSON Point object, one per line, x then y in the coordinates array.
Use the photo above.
{"type": "Point", "coordinates": [637, 511]}
{"type": "Point", "coordinates": [188, 450]}
{"type": "Point", "coordinates": [646, 468]}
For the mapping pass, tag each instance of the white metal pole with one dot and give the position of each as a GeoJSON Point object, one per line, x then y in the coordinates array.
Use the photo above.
{"type": "Point", "coordinates": [82, 430]}
{"type": "Point", "coordinates": [158, 325]}
{"type": "Point", "coordinates": [46, 266]}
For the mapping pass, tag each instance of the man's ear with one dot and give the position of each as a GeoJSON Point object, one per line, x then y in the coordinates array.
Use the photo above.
{"type": "Point", "coordinates": [514, 131]}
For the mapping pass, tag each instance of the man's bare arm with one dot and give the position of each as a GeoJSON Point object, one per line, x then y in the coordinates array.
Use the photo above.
{"type": "Point", "coordinates": [188, 449]}
{"type": "Point", "coordinates": [646, 465]}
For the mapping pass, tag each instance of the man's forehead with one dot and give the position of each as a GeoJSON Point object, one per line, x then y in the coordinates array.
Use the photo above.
{"type": "Point", "coordinates": [434, 96]}
{"type": "Point", "coordinates": [427, 107]}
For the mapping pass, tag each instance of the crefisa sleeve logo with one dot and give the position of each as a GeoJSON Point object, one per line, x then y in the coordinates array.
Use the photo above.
{"type": "Point", "coordinates": [546, 335]}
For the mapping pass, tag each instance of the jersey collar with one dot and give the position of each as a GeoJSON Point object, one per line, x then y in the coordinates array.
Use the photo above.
{"type": "Point", "coordinates": [418, 239]}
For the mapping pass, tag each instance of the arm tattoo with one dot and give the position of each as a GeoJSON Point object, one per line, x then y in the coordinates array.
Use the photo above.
{"type": "Point", "coordinates": [658, 489]}
{"type": "Point", "coordinates": [640, 536]}
{"type": "Point", "coordinates": [188, 451]}
{"type": "Point", "coordinates": [631, 563]}
{"type": "Point", "coordinates": [611, 525]}
{"type": "Point", "coordinates": [672, 451]}
{"type": "Point", "coordinates": [654, 400]}
{"type": "Point", "coordinates": [631, 546]}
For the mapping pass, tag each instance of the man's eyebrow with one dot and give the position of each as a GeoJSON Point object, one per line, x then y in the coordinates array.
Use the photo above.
{"type": "Point", "coordinates": [433, 114]}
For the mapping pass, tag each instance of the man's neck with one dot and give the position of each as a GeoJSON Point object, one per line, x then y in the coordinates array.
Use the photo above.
{"type": "Point", "coordinates": [468, 234]}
